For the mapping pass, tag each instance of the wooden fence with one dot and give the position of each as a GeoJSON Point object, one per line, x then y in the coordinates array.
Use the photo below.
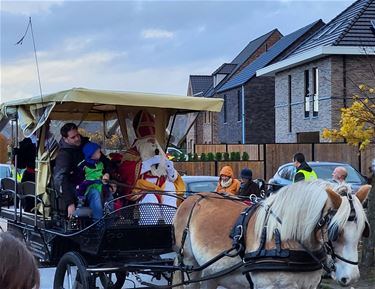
{"type": "Point", "coordinates": [264, 159]}
{"type": "Point", "coordinates": [212, 168]}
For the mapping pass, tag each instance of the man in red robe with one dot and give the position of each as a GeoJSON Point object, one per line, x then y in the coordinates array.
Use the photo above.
{"type": "Point", "coordinates": [145, 167]}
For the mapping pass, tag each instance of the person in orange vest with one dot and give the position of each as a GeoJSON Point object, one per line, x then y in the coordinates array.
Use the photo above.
{"type": "Point", "coordinates": [227, 182]}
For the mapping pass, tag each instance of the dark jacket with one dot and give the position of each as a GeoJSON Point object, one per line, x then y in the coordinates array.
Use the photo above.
{"type": "Point", "coordinates": [249, 188]}
{"type": "Point", "coordinates": [300, 176]}
{"type": "Point", "coordinates": [66, 176]}
{"type": "Point", "coordinates": [65, 171]}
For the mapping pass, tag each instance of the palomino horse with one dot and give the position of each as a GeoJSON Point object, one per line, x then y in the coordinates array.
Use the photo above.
{"type": "Point", "coordinates": [308, 216]}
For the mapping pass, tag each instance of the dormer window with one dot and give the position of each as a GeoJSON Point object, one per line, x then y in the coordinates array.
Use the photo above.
{"type": "Point", "coordinates": [218, 78]}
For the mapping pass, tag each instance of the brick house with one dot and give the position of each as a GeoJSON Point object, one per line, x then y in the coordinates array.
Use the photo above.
{"type": "Point", "coordinates": [320, 76]}
{"type": "Point", "coordinates": [198, 86]}
{"type": "Point", "coordinates": [248, 114]}
{"type": "Point", "coordinates": [205, 128]}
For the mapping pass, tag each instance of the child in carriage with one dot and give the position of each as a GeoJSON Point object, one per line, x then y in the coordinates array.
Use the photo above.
{"type": "Point", "coordinates": [94, 187]}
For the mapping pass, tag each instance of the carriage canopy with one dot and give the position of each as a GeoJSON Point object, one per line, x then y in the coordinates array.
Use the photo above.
{"type": "Point", "coordinates": [80, 104]}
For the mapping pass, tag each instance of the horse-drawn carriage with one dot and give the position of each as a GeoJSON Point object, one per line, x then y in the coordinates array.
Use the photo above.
{"type": "Point", "coordinates": [281, 242]}
{"type": "Point", "coordinates": [124, 240]}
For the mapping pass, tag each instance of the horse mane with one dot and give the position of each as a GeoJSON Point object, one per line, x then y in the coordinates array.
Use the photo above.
{"type": "Point", "coordinates": [299, 207]}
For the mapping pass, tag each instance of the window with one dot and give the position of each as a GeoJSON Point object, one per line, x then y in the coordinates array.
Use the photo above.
{"type": "Point", "coordinates": [307, 94]}
{"type": "Point", "coordinates": [315, 91]}
{"type": "Point", "coordinates": [225, 108]}
{"type": "Point", "coordinates": [239, 101]}
{"type": "Point", "coordinates": [308, 137]}
{"type": "Point", "coordinates": [287, 173]}
{"type": "Point", "coordinates": [290, 102]}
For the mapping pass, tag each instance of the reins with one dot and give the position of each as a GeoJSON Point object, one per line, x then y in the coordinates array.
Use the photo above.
{"type": "Point", "coordinates": [236, 249]}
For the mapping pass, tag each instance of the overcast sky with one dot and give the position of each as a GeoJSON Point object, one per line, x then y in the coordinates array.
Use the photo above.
{"type": "Point", "coordinates": [148, 46]}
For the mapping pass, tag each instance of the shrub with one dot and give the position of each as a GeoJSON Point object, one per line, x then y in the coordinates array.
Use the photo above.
{"type": "Point", "coordinates": [218, 156]}
{"type": "Point", "coordinates": [203, 157]}
{"type": "Point", "coordinates": [245, 156]}
{"type": "Point", "coordinates": [190, 157]}
{"type": "Point", "coordinates": [195, 157]}
{"type": "Point", "coordinates": [210, 157]}
{"type": "Point", "coordinates": [175, 156]}
{"type": "Point", "coordinates": [181, 158]}
{"type": "Point", "coordinates": [235, 156]}
{"type": "Point", "coordinates": [226, 156]}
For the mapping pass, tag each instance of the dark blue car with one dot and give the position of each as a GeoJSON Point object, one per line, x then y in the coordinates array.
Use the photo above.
{"type": "Point", "coordinates": [285, 174]}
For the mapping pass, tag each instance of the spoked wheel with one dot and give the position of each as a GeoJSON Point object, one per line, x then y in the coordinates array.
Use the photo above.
{"type": "Point", "coordinates": [112, 280]}
{"type": "Point", "coordinates": [71, 273]}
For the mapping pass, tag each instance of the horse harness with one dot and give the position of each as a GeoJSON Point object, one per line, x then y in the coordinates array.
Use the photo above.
{"type": "Point", "coordinates": [279, 259]}
{"type": "Point", "coordinates": [262, 259]}
{"type": "Point", "coordinates": [231, 252]}
{"type": "Point", "coordinates": [333, 233]}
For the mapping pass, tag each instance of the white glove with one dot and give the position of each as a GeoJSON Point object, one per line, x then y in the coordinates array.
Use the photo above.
{"type": "Point", "coordinates": [146, 165]}
{"type": "Point", "coordinates": [171, 172]}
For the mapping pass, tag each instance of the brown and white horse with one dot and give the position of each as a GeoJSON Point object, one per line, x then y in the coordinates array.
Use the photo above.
{"type": "Point", "coordinates": [296, 210]}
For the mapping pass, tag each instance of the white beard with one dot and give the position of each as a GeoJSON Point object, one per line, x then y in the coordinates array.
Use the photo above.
{"type": "Point", "coordinates": [147, 150]}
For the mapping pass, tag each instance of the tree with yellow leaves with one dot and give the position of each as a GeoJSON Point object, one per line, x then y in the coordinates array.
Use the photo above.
{"type": "Point", "coordinates": [115, 142]}
{"type": "Point", "coordinates": [357, 121]}
{"type": "Point", "coordinates": [357, 128]}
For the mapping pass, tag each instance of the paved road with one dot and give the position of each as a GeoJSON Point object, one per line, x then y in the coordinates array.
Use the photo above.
{"type": "Point", "coordinates": [366, 282]}
{"type": "Point", "coordinates": [47, 275]}
{"type": "Point", "coordinates": [47, 280]}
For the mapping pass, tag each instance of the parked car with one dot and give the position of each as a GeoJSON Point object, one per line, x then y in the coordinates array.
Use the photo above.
{"type": "Point", "coordinates": [285, 174]}
{"type": "Point", "coordinates": [198, 184]}
{"type": "Point", "coordinates": [5, 171]}
{"type": "Point", "coordinates": [173, 153]}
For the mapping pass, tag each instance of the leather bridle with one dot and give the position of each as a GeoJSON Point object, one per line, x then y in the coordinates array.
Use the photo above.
{"type": "Point", "coordinates": [328, 245]}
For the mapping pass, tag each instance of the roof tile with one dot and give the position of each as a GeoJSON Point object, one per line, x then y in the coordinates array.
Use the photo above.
{"type": "Point", "coordinates": [249, 71]}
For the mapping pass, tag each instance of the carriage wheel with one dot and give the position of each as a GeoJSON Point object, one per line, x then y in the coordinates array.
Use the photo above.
{"type": "Point", "coordinates": [107, 280]}
{"type": "Point", "coordinates": [71, 273]}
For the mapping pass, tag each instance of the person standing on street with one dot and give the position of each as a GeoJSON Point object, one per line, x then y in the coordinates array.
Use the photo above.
{"type": "Point", "coordinates": [304, 171]}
